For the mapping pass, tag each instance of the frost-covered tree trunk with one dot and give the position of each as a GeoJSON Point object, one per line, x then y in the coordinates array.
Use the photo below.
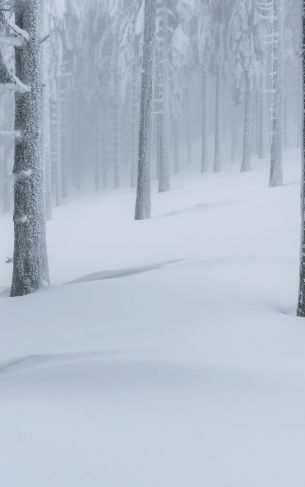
{"type": "Point", "coordinates": [46, 137]}
{"type": "Point", "coordinates": [7, 196]}
{"type": "Point", "coordinates": [175, 133]}
{"type": "Point", "coordinates": [115, 142]}
{"type": "Point", "coordinates": [187, 124]}
{"type": "Point", "coordinates": [217, 161]}
{"type": "Point", "coordinates": [246, 160]}
{"type": "Point", "coordinates": [143, 201]}
{"type": "Point", "coordinates": [115, 116]}
{"type": "Point", "coordinates": [276, 166]}
{"type": "Point", "coordinates": [301, 297]}
{"type": "Point", "coordinates": [234, 131]}
{"type": "Point", "coordinates": [262, 125]}
{"type": "Point", "coordinates": [162, 97]}
{"type": "Point", "coordinates": [98, 155]}
{"type": "Point", "coordinates": [30, 270]}
{"type": "Point", "coordinates": [133, 142]}
{"type": "Point", "coordinates": [204, 157]}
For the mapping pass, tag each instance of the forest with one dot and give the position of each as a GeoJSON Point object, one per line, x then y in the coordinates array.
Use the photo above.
{"type": "Point", "coordinates": [152, 251]}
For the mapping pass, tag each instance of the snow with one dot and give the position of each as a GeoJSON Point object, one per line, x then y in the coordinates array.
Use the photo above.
{"type": "Point", "coordinates": [167, 352]}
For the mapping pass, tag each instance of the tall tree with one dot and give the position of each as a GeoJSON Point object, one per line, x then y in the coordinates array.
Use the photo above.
{"type": "Point", "coordinates": [143, 201]}
{"type": "Point", "coordinates": [247, 54]}
{"type": "Point", "coordinates": [276, 166]}
{"type": "Point", "coordinates": [30, 271]}
{"type": "Point", "coordinates": [301, 297]}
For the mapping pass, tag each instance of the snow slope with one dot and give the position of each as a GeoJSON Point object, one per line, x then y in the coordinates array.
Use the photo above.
{"type": "Point", "coordinates": [167, 352]}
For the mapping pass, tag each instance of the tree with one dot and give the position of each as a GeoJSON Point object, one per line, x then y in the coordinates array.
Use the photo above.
{"type": "Point", "coordinates": [143, 201]}
{"type": "Point", "coordinates": [247, 54]}
{"type": "Point", "coordinates": [30, 271]}
{"type": "Point", "coordinates": [301, 297]}
{"type": "Point", "coordinates": [162, 94]}
{"type": "Point", "coordinates": [276, 166]}
{"type": "Point", "coordinates": [204, 50]}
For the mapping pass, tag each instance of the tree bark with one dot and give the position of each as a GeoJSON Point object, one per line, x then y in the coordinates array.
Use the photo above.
{"type": "Point", "coordinates": [143, 201]}
{"type": "Point", "coordinates": [30, 271]}
{"type": "Point", "coordinates": [276, 166]}
{"type": "Point", "coordinates": [162, 98]}
{"type": "Point", "coordinates": [301, 297]}
{"type": "Point", "coordinates": [204, 158]}
{"type": "Point", "coordinates": [217, 161]}
{"type": "Point", "coordinates": [246, 161]}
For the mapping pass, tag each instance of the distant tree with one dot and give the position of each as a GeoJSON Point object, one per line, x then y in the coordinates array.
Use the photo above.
{"type": "Point", "coordinates": [205, 44]}
{"type": "Point", "coordinates": [276, 165]}
{"type": "Point", "coordinates": [143, 201]}
{"type": "Point", "coordinates": [247, 55]}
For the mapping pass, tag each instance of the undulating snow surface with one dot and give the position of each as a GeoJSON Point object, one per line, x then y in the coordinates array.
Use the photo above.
{"type": "Point", "coordinates": [167, 352]}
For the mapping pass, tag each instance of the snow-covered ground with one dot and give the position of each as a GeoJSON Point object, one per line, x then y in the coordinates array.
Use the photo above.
{"type": "Point", "coordinates": [167, 353]}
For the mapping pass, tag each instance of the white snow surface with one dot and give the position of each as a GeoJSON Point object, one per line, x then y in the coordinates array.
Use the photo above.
{"type": "Point", "coordinates": [167, 353]}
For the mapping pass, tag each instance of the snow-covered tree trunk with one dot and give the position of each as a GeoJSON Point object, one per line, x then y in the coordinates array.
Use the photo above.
{"type": "Point", "coordinates": [262, 125]}
{"type": "Point", "coordinates": [234, 131]}
{"type": "Point", "coordinates": [98, 154]}
{"type": "Point", "coordinates": [175, 133]}
{"type": "Point", "coordinates": [162, 97]}
{"type": "Point", "coordinates": [217, 161]}
{"type": "Point", "coordinates": [30, 270]}
{"type": "Point", "coordinates": [115, 142]}
{"type": "Point", "coordinates": [115, 117]}
{"type": "Point", "coordinates": [143, 202]}
{"type": "Point", "coordinates": [301, 297]}
{"type": "Point", "coordinates": [204, 157]}
{"type": "Point", "coordinates": [46, 137]}
{"type": "Point", "coordinates": [246, 160]}
{"type": "Point", "coordinates": [187, 124]}
{"type": "Point", "coordinates": [133, 128]}
{"type": "Point", "coordinates": [276, 166]}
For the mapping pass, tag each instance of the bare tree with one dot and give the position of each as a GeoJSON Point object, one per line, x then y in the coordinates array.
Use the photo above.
{"type": "Point", "coordinates": [30, 271]}
{"type": "Point", "coordinates": [301, 300]}
{"type": "Point", "coordinates": [143, 202]}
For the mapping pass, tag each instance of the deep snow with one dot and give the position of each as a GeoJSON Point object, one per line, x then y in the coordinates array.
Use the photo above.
{"type": "Point", "coordinates": [167, 352]}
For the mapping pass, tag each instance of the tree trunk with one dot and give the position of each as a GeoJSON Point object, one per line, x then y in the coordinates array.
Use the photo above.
{"type": "Point", "coordinates": [46, 137]}
{"type": "Point", "coordinates": [175, 133]}
{"type": "Point", "coordinates": [234, 131]}
{"type": "Point", "coordinates": [246, 161]}
{"type": "Point", "coordinates": [30, 270]}
{"type": "Point", "coordinates": [301, 297]}
{"type": "Point", "coordinates": [133, 128]}
{"type": "Point", "coordinates": [162, 98]}
{"type": "Point", "coordinates": [217, 161]}
{"type": "Point", "coordinates": [143, 202]}
{"type": "Point", "coordinates": [261, 128]}
{"type": "Point", "coordinates": [276, 166]}
{"type": "Point", "coordinates": [204, 157]}
{"type": "Point", "coordinates": [58, 145]}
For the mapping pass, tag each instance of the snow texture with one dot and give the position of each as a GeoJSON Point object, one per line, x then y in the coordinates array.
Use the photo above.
{"type": "Point", "coordinates": [175, 358]}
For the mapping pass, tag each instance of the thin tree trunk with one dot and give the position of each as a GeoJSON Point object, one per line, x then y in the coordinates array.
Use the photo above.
{"type": "Point", "coordinates": [246, 160]}
{"type": "Point", "coordinates": [217, 161]}
{"type": "Point", "coordinates": [301, 297]}
{"type": "Point", "coordinates": [46, 137]}
{"type": "Point", "coordinates": [276, 166]}
{"type": "Point", "coordinates": [162, 99]}
{"type": "Point", "coordinates": [143, 201]}
{"type": "Point", "coordinates": [176, 145]}
{"type": "Point", "coordinates": [133, 166]}
{"type": "Point", "coordinates": [234, 131]}
{"type": "Point", "coordinates": [262, 125]}
{"type": "Point", "coordinates": [30, 270]}
{"type": "Point", "coordinates": [204, 157]}
{"type": "Point", "coordinates": [58, 145]}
